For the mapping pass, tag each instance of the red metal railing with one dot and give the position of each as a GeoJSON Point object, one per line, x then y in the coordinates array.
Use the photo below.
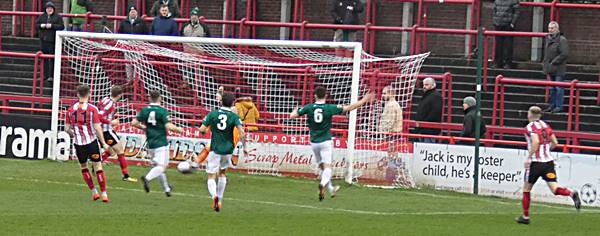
{"type": "Point", "coordinates": [574, 98]}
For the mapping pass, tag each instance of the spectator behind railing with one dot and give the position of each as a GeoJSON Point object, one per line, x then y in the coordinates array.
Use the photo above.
{"type": "Point", "coordinates": [195, 28]}
{"type": "Point", "coordinates": [164, 24]}
{"type": "Point", "coordinates": [133, 24]}
{"type": "Point", "coordinates": [47, 24]}
{"type": "Point", "coordinates": [556, 51]}
{"type": "Point", "coordinates": [469, 120]}
{"type": "Point", "coordinates": [79, 7]}
{"type": "Point", "coordinates": [391, 118]}
{"type": "Point", "coordinates": [429, 109]}
{"type": "Point", "coordinates": [506, 14]}
{"type": "Point", "coordinates": [173, 8]}
{"type": "Point", "coordinates": [247, 111]}
{"type": "Point", "coordinates": [346, 12]}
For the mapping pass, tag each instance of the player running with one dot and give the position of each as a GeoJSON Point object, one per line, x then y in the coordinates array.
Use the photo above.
{"type": "Point", "coordinates": [82, 119]}
{"type": "Point", "coordinates": [155, 121]}
{"type": "Point", "coordinates": [319, 122]}
{"type": "Point", "coordinates": [222, 123]}
{"type": "Point", "coordinates": [539, 162]}
{"type": "Point", "coordinates": [107, 107]}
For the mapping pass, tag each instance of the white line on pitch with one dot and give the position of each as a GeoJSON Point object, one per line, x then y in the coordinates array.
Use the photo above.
{"type": "Point", "coordinates": [315, 207]}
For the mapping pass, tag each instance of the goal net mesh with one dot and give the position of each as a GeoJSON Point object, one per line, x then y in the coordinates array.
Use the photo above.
{"type": "Point", "coordinates": [269, 82]}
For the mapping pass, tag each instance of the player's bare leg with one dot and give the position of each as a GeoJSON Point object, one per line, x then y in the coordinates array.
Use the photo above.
{"type": "Point", "coordinates": [562, 191]}
{"type": "Point", "coordinates": [212, 189]}
{"type": "Point", "coordinates": [524, 219]}
{"type": "Point", "coordinates": [221, 184]}
{"type": "Point", "coordinates": [87, 177]}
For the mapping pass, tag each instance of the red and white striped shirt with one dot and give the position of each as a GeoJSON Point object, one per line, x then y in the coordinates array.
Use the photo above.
{"type": "Point", "coordinates": [82, 117]}
{"type": "Point", "coordinates": [106, 110]}
{"type": "Point", "coordinates": [544, 133]}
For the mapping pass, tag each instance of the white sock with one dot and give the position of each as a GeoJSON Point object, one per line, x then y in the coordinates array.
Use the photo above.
{"type": "Point", "coordinates": [163, 180]}
{"type": "Point", "coordinates": [326, 176]}
{"type": "Point", "coordinates": [330, 187]}
{"type": "Point", "coordinates": [154, 172]}
{"type": "Point", "coordinates": [94, 191]}
{"type": "Point", "coordinates": [212, 187]}
{"type": "Point", "coordinates": [221, 187]}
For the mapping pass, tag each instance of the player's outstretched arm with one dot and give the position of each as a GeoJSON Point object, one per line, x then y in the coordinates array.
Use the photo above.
{"type": "Point", "coordinates": [69, 130]}
{"type": "Point", "coordinates": [137, 124]}
{"type": "Point", "coordinates": [367, 98]}
{"type": "Point", "coordinates": [535, 145]}
{"type": "Point", "coordinates": [203, 129]}
{"type": "Point", "coordinates": [100, 135]}
{"type": "Point", "coordinates": [554, 142]}
{"type": "Point", "coordinates": [242, 135]}
{"type": "Point", "coordinates": [173, 128]}
{"type": "Point", "coordinates": [295, 114]}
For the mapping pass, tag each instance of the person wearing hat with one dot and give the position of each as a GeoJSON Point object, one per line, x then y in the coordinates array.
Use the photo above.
{"type": "Point", "coordinates": [195, 28]}
{"type": "Point", "coordinates": [469, 120]}
{"type": "Point", "coordinates": [133, 24]}
{"type": "Point", "coordinates": [47, 24]}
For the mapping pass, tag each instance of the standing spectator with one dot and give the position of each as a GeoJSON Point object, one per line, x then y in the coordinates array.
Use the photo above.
{"type": "Point", "coordinates": [391, 118]}
{"type": "Point", "coordinates": [173, 8]}
{"type": "Point", "coordinates": [346, 12]}
{"type": "Point", "coordinates": [195, 28]}
{"type": "Point", "coordinates": [506, 13]}
{"type": "Point", "coordinates": [164, 24]}
{"type": "Point", "coordinates": [429, 110]}
{"type": "Point", "coordinates": [133, 24]}
{"type": "Point", "coordinates": [79, 7]}
{"type": "Point", "coordinates": [469, 120]}
{"type": "Point", "coordinates": [247, 111]}
{"type": "Point", "coordinates": [556, 51]}
{"type": "Point", "coordinates": [47, 24]}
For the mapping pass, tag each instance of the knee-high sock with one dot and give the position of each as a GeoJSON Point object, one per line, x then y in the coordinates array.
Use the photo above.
{"type": "Point", "coordinates": [163, 180]}
{"type": "Point", "coordinates": [525, 201]}
{"type": "Point", "coordinates": [105, 155]}
{"type": "Point", "coordinates": [123, 164]}
{"type": "Point", "coordinates": [563, 191]}
{"type": "Point", "coordinates": [221, 187]}
{"type": "Point", "coordinates": [87, 177]}
{"type": "Point", "coordinates": [155, 172]}
{"type": "Point", "coordinates": [325, 176]}
{"type": "Point", "coordinates": [330, 187]}
{"type": "Point", "coordinates": [212, 187]}
{"type": "Point", "coordinates": [101, 180]}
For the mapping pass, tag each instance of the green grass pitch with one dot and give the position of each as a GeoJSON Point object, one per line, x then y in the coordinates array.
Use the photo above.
{"type": "Point", "coordinates": [50, 198]}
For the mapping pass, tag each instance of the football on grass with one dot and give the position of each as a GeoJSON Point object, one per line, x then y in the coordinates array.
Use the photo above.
{"type": "Point", "coordinates": [184, 167]}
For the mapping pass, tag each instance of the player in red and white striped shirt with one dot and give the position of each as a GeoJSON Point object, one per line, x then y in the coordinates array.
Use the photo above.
{"type": "Point", "coordinates": [107, 110]}
{"type": "Point", "coordinates": [539, 163]}
{"type": "Point", "coordinates": [82, 119]}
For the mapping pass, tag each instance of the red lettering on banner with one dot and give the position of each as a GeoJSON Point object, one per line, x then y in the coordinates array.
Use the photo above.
{"type": "Point", "coordinates": [296, 160]}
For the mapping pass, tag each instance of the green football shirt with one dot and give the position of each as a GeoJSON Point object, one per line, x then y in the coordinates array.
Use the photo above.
{"type": "Point", "coordinates": [221, 123]}
{"type": "Point", "coordinates": [155, 117]}
{"type": "Point", "coordinates": [319, 120]}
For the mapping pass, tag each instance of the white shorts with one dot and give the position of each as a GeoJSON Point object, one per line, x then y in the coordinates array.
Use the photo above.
{"type": "Point", "coordinates": [323, 151]}
{"type": "Point", "coordinates": [217, 162]}
{"type": "Point", "coordinates": [160, 156]}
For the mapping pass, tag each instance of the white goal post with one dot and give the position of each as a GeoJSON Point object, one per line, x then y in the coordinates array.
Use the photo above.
{"type": "Point", "coordinates": [277, 75]}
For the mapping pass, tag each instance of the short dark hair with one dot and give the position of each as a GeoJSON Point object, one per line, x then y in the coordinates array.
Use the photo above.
{"type": "Point", "coordinates": [154, 95]}
{"type": "Point", "coordinates": [227, 99]}
{"type": "Point", "coordinates": [320, 92]}
{"type": "Point", "coordinates": [83, 90]}
{"type": "Point", "coordinates": [116, 91]}
{"type": "Point", "coordinates": [163, 6]}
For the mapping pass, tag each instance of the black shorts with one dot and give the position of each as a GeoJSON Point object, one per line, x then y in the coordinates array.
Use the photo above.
{"type": "Point", "coordinates": [540, 169]}
{"type": "Point", "coordinates": [89, 151]}
{"type": "Point", "coordinates": [111, 138]}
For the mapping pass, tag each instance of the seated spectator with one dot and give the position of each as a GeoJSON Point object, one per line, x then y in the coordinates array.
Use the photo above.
{"type": "Point", "coordinates": [470, 119]}
{"type": "Point", "coordinates": [195, 28]}
{"type": "Point", "coordinates": [79, 7]}
{"type": "Point", "coordinates": [47, 24]}
{"type": "Point", "coordinates": [133, 24]}
{"type": "Point", "coordinates": [247, 111]}
{"type": "Point", "coordinates": [164, 24]}
{"type": "Point", "coordinates": [173, 8]}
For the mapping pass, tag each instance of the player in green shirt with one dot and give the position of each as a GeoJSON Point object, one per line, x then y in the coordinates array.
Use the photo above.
{"type": "Point", "coordinates": [222, 122]}
{"type": "Point", "coordinates": [319, 123]}
{"type": "Point", "coordinates": [155, 120]}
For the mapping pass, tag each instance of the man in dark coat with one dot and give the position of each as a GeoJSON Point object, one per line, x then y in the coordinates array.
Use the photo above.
{"type": "Point", "coordinates": [47, 24]}
{"type": "Point", "coordinates": [506, 14]}
{"type": "Point", "coordinates": [164, 24]}
{"type": "Point", "coordinates": [133, 24]}
{"type": "Point", "coordinates": [429, 110]}
{"type": "Point", "coordinates": [469, 120]}
{"type": "Point", "coordinates": [556, 51]}
{"type": "Point", "coordinates": [346, 12]}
